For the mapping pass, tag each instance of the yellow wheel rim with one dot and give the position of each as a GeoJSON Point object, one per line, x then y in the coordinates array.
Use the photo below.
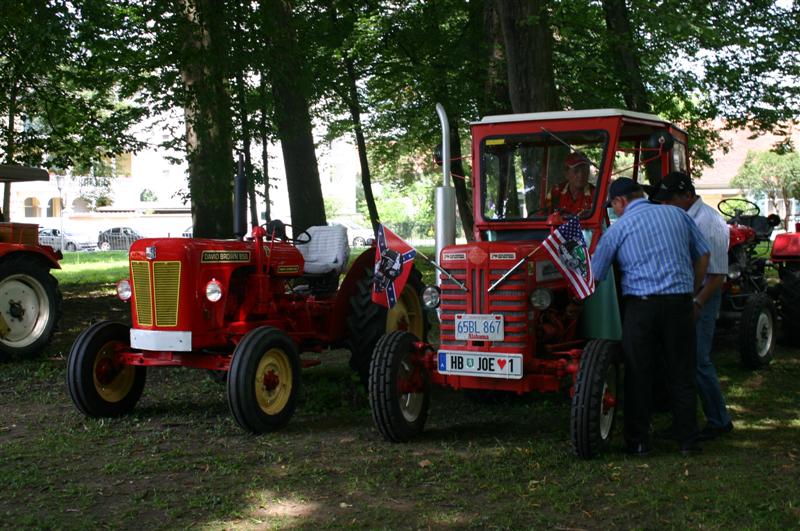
{"type": "Point", "coordinates": [407, 313]}
{"type": "Point", "coordinates": [112, 382]}
{"type": "Point", "coordinates": [273, 381]}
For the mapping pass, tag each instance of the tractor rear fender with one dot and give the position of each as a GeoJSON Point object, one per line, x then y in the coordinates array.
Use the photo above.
{"type": "Point", "coordinates": [41, 254]}
{"type": "Point", "coordinates": [786, 247]}
{"type": "Point", "coordinates": [347, 289]}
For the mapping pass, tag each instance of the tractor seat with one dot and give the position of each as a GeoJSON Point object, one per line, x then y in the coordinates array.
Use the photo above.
{"type": "Point", "coordinates": [328, 250]}
{"type": "Point", "coordinates": [760, 224]}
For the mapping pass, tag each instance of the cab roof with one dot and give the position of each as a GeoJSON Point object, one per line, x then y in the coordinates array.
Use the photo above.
{"type": "Point", "coordinates": [565, 115]}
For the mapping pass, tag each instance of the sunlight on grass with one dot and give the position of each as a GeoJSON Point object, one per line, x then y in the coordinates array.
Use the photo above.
{"type": "Point", "coordinates": [92, 272]}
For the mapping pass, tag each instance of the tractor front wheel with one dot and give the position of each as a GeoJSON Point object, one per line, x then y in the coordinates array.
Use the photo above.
{"type": "Point", "coordinates": [264, 380]}
{"type": "Point", "coordinates": [99, 384]}
{"type": "Point", "coordinates": [594, 404]}
{"type": "Point", "coordinates": [399, 389]}
{"type": "Point", "coordinates": [757, 331]}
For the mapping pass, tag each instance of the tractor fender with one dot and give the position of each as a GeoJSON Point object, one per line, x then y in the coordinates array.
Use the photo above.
{"type": "Point", "coordinates": [347, 289]}
{"type": "Point", "coordinates": [43, 254]}
{"type": "Point", "coordinates": [786, 247]}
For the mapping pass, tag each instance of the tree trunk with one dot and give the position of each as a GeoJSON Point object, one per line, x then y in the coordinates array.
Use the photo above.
{"type": "Point", "coordinates": [463, 198]}
{"type": "Point", "coordinates": [495, 98]}
{"type": "Point", "coordinates": [248, 163]}
{"type": "Point", "coordinates": [625, 55]}
{"type": "Point", "coordinates": [529, 54]}
{"type": "Point", "coordinates": [208, 118]}
{"type": "Point", "coordinates": [355, 115]}
{"type": "Point", "coordinates": [5, 215]}
{"type": "Point", "coordinates": [292, 118]}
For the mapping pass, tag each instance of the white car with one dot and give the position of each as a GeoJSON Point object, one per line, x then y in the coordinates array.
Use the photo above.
{"type": "Point", "coordinates": [357, 235]}
{"type": "Point", "coordinates": [72, 242]}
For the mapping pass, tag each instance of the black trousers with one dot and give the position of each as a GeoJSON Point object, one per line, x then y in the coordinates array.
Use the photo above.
{"type": "Point", "coordinates": [658, 332]}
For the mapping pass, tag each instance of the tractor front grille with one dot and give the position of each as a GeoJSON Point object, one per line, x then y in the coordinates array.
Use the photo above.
{"type": "Point", "coordinates": [157, 292]}
{"type": "Point", "coordinates": [508, 299]}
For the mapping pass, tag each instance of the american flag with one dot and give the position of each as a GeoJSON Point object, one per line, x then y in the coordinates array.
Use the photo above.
{"type": "Point", "coordinates": [568, 251]}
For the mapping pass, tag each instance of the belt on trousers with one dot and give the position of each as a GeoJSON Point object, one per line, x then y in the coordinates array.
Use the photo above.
{"type": "Point", "coordinates": [667, 297]}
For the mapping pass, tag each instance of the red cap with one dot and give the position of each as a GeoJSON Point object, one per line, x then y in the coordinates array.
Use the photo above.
{"type": "Point", "coordinates": [575, 159]}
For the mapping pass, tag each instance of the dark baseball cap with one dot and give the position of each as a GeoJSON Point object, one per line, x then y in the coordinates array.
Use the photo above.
{"type": "Point", "coordinates": [622, 186]}
{"type": "Point", "coordinates": [672, 184]}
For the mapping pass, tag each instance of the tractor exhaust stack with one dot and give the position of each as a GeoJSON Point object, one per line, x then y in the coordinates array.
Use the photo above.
{"type": "Point", "coordinates": [445, 195]}
{"type": "Point", "coordinates": [240, 202]}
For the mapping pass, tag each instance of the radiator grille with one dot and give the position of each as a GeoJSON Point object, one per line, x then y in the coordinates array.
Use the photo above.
{"type": "Point", "coordinates": [140, 271]}
{"type": "Point", "coordinates": [167, 283]}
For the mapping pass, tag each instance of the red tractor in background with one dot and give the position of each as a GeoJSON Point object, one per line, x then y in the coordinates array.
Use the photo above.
{"type": "Point", "coordinates": [30, 301]}
{"type": "Point", "coordinates": [246, 308]}
{"type": "Point", "coordinates": [508, 320]}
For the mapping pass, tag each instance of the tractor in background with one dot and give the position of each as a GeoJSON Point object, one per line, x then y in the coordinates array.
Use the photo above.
{"type": "Point", "coordinates": [244, 309]}
{"type": "Point", "coordinates": [30, 301]}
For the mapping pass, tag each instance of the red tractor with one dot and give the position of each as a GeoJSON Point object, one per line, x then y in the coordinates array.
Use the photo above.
{"type": "Point", "coordinates": [508, 319]}
{"type": "Point", "coordinates": [243, 308]}
{"type": "Point", "coordinates": [30, 301]}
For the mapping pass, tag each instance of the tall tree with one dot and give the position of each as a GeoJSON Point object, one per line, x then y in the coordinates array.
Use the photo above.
{"type": "Point", "coordinates": [774, 174]}
{"type": "Point", "coordinates": [625, 57]}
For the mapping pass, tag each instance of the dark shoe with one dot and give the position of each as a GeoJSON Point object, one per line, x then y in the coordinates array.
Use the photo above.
{"type": "Point", "coordinates": [638, 449]}
{"type": "Point", "coordinates": [712, 432]}
{"type": "Point", "coordinates": [690, 449]}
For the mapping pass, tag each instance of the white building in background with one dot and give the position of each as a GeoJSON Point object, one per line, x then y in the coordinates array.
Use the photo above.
{"type": "Point", "coordinates": [148, 193]}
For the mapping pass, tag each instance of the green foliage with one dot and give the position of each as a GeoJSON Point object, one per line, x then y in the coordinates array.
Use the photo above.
{"type": "Point", "coordinates": [771, 174]}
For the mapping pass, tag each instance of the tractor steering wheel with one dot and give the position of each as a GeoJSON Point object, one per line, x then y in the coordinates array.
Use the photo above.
{"type": "Point", "coordinates": [277, 228]}
{"type": "Point", "coordinates": [734, 208]}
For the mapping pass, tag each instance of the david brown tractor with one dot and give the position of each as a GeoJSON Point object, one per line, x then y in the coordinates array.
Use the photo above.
{"type": "Point", "coordinates": [30, 301]}
{"type": "Point", "coordinates": [508, 319]}
{"type": "Point", "coordinates": [246, 308]}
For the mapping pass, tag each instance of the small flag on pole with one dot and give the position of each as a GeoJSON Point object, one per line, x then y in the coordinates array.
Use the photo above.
{"type": "Point", "coordinates": [393, 261]}
{"type": "Point", "coordinates": [568, 251]}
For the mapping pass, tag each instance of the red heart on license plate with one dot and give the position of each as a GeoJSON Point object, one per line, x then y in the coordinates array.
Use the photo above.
{"type": "Point", "coordinates": [502, 363]}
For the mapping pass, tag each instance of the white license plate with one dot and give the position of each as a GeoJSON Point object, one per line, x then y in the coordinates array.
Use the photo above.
{"type": "Point", "coordinates": [479, 327]}
{"type": "Point", "coordinates": [484, 364]}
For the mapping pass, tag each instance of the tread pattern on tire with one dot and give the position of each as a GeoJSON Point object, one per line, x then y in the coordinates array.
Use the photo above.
{"type": "Point", "coordinates": [80, 381]}
{"type": "Point", "coordinates": [747, 331]}
{"type": "Point", "coordinates": [584, 415]}
{"type": "Point", "coordinates": [367, 321]}
{"type": "Point", "coordinates": [240, 389]}
{"type": "Point", "coordinates": [22, 263]}
{"type": "Point", "coordinates": [383, 395]}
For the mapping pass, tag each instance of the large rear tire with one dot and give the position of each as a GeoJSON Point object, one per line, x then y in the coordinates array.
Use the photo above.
{"type": "Point", "coordinates": [757, 331]}
{"type": "Point", "coordinates": [30, 306]}
{"type": "Point", "coordinates": [594, 404]}
{"type": "Point", "coordinates": [399, 389]}
{"type": "Point", "coordinates": [264, 380]}
{"type": "Point", "coordinates": [368, 321]}
{"type": "Point", "coordinates": [98, 384]}
{"type": "Point", "coordinates": [790, 303]}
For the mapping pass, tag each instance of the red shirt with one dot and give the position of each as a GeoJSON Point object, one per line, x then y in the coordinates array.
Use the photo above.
{"type": "Point", "coordinates": [562, 199]}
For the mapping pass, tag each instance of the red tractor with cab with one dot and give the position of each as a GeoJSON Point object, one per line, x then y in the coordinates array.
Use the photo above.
{"type": "Point", "coordinates": [30, 301]}
{"type": "Point", "coordinates": [508, 319]}
{"type": "Point", "coordinates": [245, 309]}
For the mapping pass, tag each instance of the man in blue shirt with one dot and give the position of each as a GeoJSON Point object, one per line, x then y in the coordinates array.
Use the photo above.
{"type": "Point", "coordinates": [662, 258]}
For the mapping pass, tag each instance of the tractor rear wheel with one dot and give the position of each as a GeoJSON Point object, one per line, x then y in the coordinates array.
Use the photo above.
{"type": "Point", "coordinates": [368, 321]}
{"type": "Point", "coordinates": [30, 306]}
{"type": "Point", "coordinates": [399, 389]}
{"type": "Point", "coordinates": [790, 303]}
{"type": "Point", "coordinates": [757, 331]}
{"type": "Point", "coordinates": [594, 404]}
{"type": "Point", "coordinates": [99, 385]}
{"type": "Point", "coordinates": [264, 380]}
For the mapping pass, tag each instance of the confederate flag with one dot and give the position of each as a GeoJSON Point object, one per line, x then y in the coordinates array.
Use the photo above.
{"type": "Point", "coordinates": [567, 250]}
{"type": "Point", "coordinates": [393, 261]}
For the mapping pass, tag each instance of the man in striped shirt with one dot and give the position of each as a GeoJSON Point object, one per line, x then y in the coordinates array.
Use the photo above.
{"type": "Point", "coordinates": [676, 189]}
{"type": "Point", "coordinates": [662, 258]}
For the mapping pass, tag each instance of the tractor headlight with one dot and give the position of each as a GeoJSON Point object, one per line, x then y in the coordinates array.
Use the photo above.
{"type": "Point", "coordinates": [431, 297]}
{"type": "Point", "coordinates": [124, 291]}
{"type": "Point", "coordinates": [541, 298]}
{"type": "Point", "coordinates": [734, 271]}
{"type": "Point", "coordinates": [214, 291]}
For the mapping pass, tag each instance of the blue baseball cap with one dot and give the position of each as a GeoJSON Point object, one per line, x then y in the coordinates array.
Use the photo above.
{"type": "Point", "coordinates": [622, 186]}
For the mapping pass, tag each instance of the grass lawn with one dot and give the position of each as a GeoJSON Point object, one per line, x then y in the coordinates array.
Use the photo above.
{"type": "Point", "coordinates": [180, 460]}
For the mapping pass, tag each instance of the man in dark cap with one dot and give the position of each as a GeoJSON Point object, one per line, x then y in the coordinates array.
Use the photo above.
{"type": "Point", "coordinates": [662, 257]}
{"type": "Point", "coordinates": [575, 194]}
{"type": "Point", "coordinates": [676, 189]}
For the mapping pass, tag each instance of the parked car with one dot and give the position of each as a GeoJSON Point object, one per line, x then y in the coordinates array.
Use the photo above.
{"type": "Point", "coordinates": [117, 239]}
{"type": "Point", "coordinates": [72, 242]}
{"type": "Point", "coordinates": [357, 235]}
{"type": "Point", "coordinates": [188, 232]}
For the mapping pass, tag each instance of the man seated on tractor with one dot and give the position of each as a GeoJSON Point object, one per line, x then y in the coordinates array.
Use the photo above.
{"type": "Point", "coordinates": [575, 194]}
